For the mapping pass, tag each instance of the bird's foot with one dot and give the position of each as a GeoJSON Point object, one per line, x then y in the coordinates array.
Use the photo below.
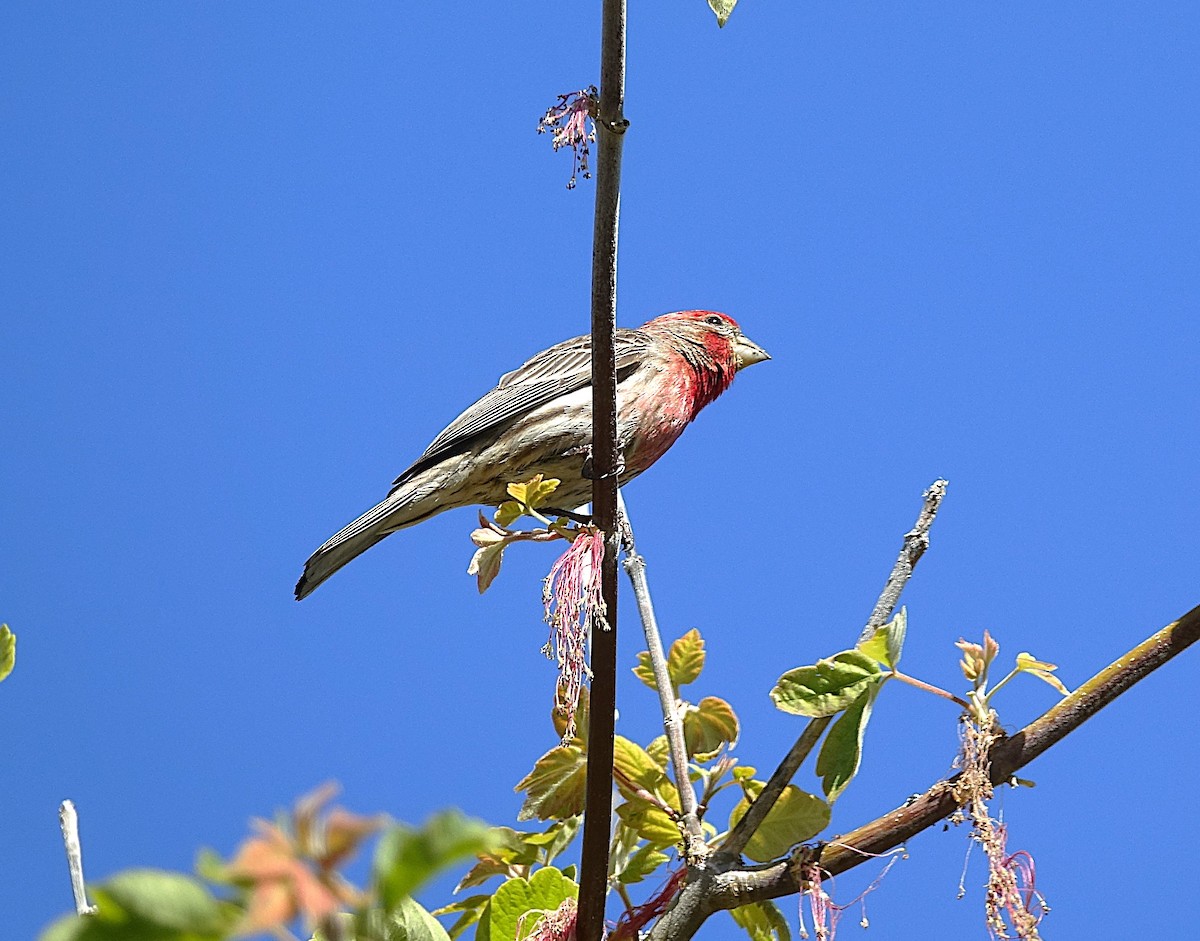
{"type": "Point", "coordinates": [583, 519]}
{"type": "Point", "coordinates": [589, 469]}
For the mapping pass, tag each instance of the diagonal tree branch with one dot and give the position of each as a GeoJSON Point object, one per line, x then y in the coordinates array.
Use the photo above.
{"type": "Point", "coordinates": [916, 541]}
{"type": "Point", "coordinates": [713, 891]}
{"type": "Point", "coordinates": [610, 125]}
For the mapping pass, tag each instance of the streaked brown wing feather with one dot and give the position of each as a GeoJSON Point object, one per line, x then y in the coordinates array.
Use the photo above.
{"type": "Point", "coordinates": [560, 370]}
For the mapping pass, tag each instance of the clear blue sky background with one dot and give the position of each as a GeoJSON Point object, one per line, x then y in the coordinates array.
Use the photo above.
{"type": "Point", "coordinates": [256, 255]}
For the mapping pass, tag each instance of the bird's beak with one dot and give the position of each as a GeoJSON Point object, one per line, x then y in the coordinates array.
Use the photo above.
{"type": "Point", "coordinates": [748, 352]}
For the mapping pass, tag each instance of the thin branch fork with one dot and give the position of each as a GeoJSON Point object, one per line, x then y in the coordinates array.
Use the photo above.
{"type": "Point", "coordinates": [916, 541]}
{"type": "Point", "coordinates": [732, 888]}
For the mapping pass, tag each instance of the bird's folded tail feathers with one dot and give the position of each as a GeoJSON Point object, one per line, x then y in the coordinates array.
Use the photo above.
{"type": "Point", "coordinates": [396, 512]}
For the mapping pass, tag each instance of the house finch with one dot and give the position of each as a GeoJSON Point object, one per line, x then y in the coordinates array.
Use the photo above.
{"type": "Point", "coordinates": [538, 420]}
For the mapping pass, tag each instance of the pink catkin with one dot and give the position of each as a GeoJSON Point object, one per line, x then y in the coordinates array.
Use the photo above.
{"type": "Point", "coordinates": [574, 607]}
{"type": "Point", "coordinates": [558, 925]}
{"type": "Point", "coordinates": [633, 921]}
{"type": "Point", "coordinates": [568, 124]}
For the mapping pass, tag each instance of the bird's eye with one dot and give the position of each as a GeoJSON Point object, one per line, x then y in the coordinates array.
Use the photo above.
{"type": "Point", "coordinates": [714, 320]}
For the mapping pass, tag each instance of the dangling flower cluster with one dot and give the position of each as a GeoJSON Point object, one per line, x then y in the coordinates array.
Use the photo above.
{"type": "Point", "coordinates": [631, 923]}
{"type": "Point", "coordinates": [1013, 902]}
{"type": "Point", "coordinates": [574, 607]}
{"type": "Point", "coordinates": [558, 925]}
{"type": "Point", "coordinates": [825, 915]}
{"type": "Point", "coordinates": [568, 123]}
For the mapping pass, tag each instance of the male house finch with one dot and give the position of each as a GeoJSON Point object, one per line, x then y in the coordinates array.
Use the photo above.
{"type": "Point", "coordinates": [538, 420]}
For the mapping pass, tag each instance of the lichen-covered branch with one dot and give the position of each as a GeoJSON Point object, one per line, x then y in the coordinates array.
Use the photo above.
{"type": "Point", "coordinates": [916, 541]}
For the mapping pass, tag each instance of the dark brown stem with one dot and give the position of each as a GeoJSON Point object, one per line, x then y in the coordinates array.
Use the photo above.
{"type": "Point", "coordinates": [738, 887]}
{"type": "Point", "coordinates": [610, 127]}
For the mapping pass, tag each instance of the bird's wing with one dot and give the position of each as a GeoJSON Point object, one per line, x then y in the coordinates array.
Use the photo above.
{"type": "Point", "coordinates": [555, 372]}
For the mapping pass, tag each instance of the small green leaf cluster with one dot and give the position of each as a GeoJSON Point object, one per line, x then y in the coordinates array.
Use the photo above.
{"type": "Point", "coordinates": [844, 685]}
{"type": "Point", "coordinates": [976, 665]}
{"type": "Point", "coordinates": [493, 537]}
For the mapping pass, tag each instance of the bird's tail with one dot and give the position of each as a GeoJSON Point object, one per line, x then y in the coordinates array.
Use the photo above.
{"type": "Point", "coordinates": [396, 512]}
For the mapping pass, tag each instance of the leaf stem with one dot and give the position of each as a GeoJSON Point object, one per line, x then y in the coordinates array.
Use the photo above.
{"type": "Point", "coordinates": [995, 689]}
{"type": "Point", "coordinates": [929, 688]}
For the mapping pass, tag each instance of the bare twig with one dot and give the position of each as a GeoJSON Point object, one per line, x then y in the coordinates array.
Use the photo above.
{"type": "Point", "coordinates": [916, 541]}
{"type": "Point", "coordinates": [69, 821]}
{"type": "Point", "coordinates": [695, 848]}
{"type": "Point", "coordinates": [734, 887]}
{"type": "Point", "coordinates": [610, 124]}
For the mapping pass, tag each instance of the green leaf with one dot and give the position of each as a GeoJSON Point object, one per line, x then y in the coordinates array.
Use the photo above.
{"type": "Point", "coordinates": [643, 671]}
{"type": "Point", "coordinates": [471, 909]}
{"type": "Point", "coordinates": [8, 651]}
{"type": "Point", "coordinates": [722, 8]}
{"type": "Point", "coordinates": [875, 646]}
{"type": "Point", "coordinates": [650, 823]}
{"type": "Point", "coordinates": [148, 905]}
{"type": "Point", "coordinates": [485, 564]}
{"type": "Point", "coordinates": [554, 788]}
{"type": "Point", "coordinates": [826, 687]}
{"type": "Point", "coordinates": [660, 750]}
{"type": "Point", "coordinates": [841, 752]}
{"type": "Point", "coordinates": [406, 858]}
{"type": "Point", "coordinates": [1027, 663]}
{"type": "Point", "coordinates": [709, 725]}
{"type": "Point", "coordinates": [167, 899]}
{"type": "Point", "coordinates": [556, 838]}
{"type": "Point", "coordinates": [533, 493]}
{"type": "Point", "coordinates": [409, 921]}
{"type": "Point", "coordinates": [797, 816]}
{"type": "Point", "coordinates": [544, 891]}
{"type": "Point", "coordinates": [631, 763]}
{"type": "Point", "coordinates": [763, 921]}
{"type": "Point", "coordinates": [887, 643]}
{"type": "Point", "coordinates": [642, 863]}
{"type": "Point", "coordinates": [897, 630]}
{"type": "Point", "coordinates": [508, 513]}
{"type": "Point", "coordinates": [686, 658]}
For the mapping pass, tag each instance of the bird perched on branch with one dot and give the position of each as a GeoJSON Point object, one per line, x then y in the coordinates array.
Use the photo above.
{"type": "Point", "coordinates": [538, 420]}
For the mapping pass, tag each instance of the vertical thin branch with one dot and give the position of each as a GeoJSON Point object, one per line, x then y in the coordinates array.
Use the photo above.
{"type": "Point", "coordinates": [69, 821]}
{"type": "Point", "coordinates": [610, 129]}
{"type": "Point", "coordinates": [916, 541]}
{"type": "Point", "coordinates": [635, 568]}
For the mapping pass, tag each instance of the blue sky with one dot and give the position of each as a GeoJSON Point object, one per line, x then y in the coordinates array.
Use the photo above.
{"type": "Point", "coordinates": [255, 256]}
